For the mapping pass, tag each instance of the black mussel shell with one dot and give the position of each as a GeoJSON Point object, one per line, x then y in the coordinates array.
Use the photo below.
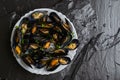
{"type": "Point", "coordinates": [16, 37]}
{"type": "Point", "coordinates": [60, 52]}
{"type": "Point", "coordinates": [52, 64]}
{"type": "Point", "coordinates": [28, 21]}
{"type": "Point", "coordinates": [73, 44]}
{"type": "Point", "coordinates": [64, 60]}
{"type": "Point", "coordinates": [66, 39]}
{"type": "Point", "coordinates": [27, 60]}
{"type": "Point", "coordinates": [41, 63]}
{"type": "Point", "coordinates": [54, 17]}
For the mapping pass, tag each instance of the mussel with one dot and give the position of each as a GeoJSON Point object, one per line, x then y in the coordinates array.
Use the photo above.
{"type": "Point", "coordinates": [73, 44]}
{"type": "Point", "coordinates": [52, 64]}
{"type": "Point", "coordinates": [44, 31]}
{"type": "Point", "coordinates": [18, 50]}
{"type": "Point", "coordinates": [38, 59]}
{"type": "Point", "coordinates": [46, 45]}
{"type": "Point", "coordinates": [66, 39]}
{"type": "Point", "coordinates": [34, 29]}
{"type": "Point", "coordinates": [60, 52]}
{"type": "Point", "coordinates": [37, 15]}
{"type": "Point", "coordinates": [66, 25]}
{"type": "Point", "coordinates": [43, 62]}
{"type": "Point", "coordinates": [24, 28]}
{"type": "Point", "coordinates": [64, 60]}
{"type": "Point", "coordinates": [54, 17]}
{"type": "Point", "coordinates": [16, 37]}
{"type": "Point", "coordinates": [27, 60]}
{"type": "Point", "coordinates": [34, 46]}
{"type": "Point", "coordinates": [57, 29]}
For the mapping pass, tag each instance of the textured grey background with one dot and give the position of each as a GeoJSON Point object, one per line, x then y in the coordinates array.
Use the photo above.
{"type": "Point", "coordinates": [98, 26]}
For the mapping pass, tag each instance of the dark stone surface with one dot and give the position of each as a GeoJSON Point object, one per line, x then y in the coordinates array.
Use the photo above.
{"type": "Point", "coordinates": [97, 23]}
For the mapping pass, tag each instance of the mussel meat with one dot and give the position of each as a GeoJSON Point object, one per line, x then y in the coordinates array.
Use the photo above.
{"type": "Point", "coordinates": [52, 64]}
{"type": "Point", "coordinates": [27, 60]}
{"type": "Point", "coordinates": [73, 44]}
{"type": "Point", "coordinates": [46, 45]}
{"type": "Point", "coordinates": [34, 46]}
{"type": "Point", "coordinates": [34, 29]}
{"type": "Point", "coordinates": [24, 28]}
{"type": "Point", "coordinates": [37, 15]}
{"type": "Point", "coordinates": [18, 50]}
{"type": "Point", "coordinates": [64, 60]}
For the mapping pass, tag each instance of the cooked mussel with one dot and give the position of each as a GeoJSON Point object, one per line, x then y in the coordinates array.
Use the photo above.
{"type": "Point", "coordinates": [64, 60]}
{"type": "Point", "coordinates": [16, 38]}
{"type": "Point", "coordinates": [37, 15]}
{"type": "Point", "coordinates": [43, 62]}
{"type": "Point", "coordinates": [46, 19]}
{"type": "Point", "coordinates": [44, 31]}
{"type": "Point", "coordinates": [27, 60]}
{"type": "Point", "coordinates": [60, 52]}
{"type": "Point", "coordinates": [43, 40]}
{"type": "Point", "coordinates": [38, 59]}
{"type": "Point", "coordinates": [54, 17]}
{"type": "Point", "coordinates": [73, 44]}
{"type": "Point", "coordinates": [66, 25]}
{"type": "Point", "coordinates": [46, 45]}
{"type": "Point", "coordinates": [34, 46]}
{"type": "Point", "coordinates": [57, 29]}
{"type": "Point", "coordinates": [52, 64]}
{"type": "Point", "coordinates": [34, 29]}
{"type": "Point", "coordinates": [18, 50]}
{"type": "Point", "coordinates": [66, 39]}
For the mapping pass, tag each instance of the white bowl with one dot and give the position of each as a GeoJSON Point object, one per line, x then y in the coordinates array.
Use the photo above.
{"type": "Point", "coordinates": [42, 71]}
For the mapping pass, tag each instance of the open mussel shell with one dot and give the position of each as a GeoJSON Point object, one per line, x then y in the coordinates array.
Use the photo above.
{"type": "Point", "coordinates": [66, 39]}
{"type": "Point", "coordinates": [16, 38]}
{"type": "Point", "coordinates": [18, 50]}
{"type": "Point", "coordinates": [67, 26]}
{"type": "Point", "coordinates": [54, 17]}
{"type": "Point", "coordinates": [60, 52]}
{"type": "Point", "coordinates": [64, 60]}
{"type": "Point", "coordinates": [52, 64]}
{"type": "Point", "coordinates": [43, 62]}
{"type": "Point", "coordinates": [27, 60]}
{"type": "Point", "coordinates": [73, 44]}
{"type": "Point", "coordinates": [46, 44]}
{"type": "Point", "coordinates": [27, 21]}
{"type": "Point", "coordinates": [37, 15]}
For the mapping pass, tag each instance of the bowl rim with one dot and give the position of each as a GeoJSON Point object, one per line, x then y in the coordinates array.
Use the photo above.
{"type": "Point", "coordinates": [37, 71]}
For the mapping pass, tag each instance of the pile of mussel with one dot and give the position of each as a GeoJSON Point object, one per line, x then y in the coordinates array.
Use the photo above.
{"type": "Point", "coordinates": [43, 40]}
